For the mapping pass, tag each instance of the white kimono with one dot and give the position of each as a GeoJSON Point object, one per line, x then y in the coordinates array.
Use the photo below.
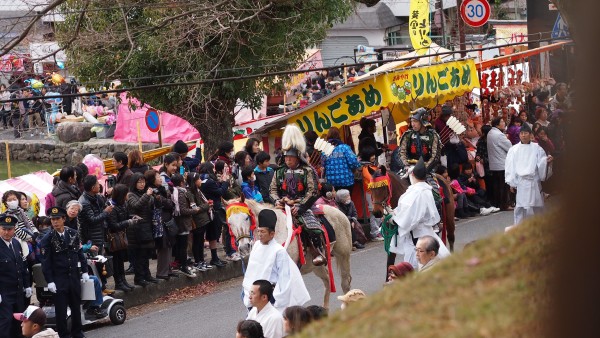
{"type": "Point", "coordinates": [272, 262]}
{"type": "Point", "coordinates": [525, 169]}
{"type": "Point", "coordinates": [415, 212]}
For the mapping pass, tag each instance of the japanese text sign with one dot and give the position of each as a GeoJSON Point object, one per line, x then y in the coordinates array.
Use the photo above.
{"type": "Point", "coordinates": [425, 85]}
{"type": "Point", "coordinates": [419, 26]}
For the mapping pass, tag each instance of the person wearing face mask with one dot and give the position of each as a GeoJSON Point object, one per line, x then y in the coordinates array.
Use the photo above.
{"type": "Point", "coordinates": [414, 217]}
{"type": "Point", "coordinates": [25, 231]}
{"type": "Point", "coordinates": [345, 205]}
{"type": "Point", "coordinates": [249, 186]}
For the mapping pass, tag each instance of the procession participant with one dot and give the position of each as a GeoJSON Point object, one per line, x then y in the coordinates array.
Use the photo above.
{"type": "Point", "coordinates": [63, 264]}
{"type": "Point", "coordinates": [415, 216]}
{"type": "Point", "coordinates": [263, 312]}
{"type": "Point", "coordinates": [295, 184]}
{"type": "Point", "coordinates": [526, 166]}
{"type": "Point", "coordinates": [420, 141]}
{"type": "Point", "coordinates": [270, 261]}
{"type": "Point", "coordinates": [14, 277]}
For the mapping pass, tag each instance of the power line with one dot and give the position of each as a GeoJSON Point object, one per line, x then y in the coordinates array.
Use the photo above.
{"type": "Point", "coordinates": [255, 76]}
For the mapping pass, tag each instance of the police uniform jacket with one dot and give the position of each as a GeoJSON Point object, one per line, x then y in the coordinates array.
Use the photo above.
{"type": "Point", "coordinates": [14, 276]}
{"type": "Point", "coordinates": [63, 261]}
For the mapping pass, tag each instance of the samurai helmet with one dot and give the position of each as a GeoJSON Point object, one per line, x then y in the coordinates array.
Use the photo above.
{"type": "Point", "coordinates": [293, 142]}
{"type": "Point", "coordinates": [420, 115]}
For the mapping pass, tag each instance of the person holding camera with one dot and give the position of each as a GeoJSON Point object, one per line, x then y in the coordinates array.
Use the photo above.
{"type": "Point", "coordinates": [92, 218]}
{"type": "Point", "coordinates": [163, 206]}
{"type": "Point", "coordinates": [140, 202]}
{"type": "Point", "coordinates": [118, 222]}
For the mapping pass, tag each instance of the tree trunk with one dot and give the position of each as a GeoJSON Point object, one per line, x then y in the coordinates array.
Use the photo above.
{"type": "Point", "coordinates": [216, 126]}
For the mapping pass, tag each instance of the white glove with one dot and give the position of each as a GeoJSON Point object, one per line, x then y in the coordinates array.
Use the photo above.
{"type": "Point", "coordinates": [0, 299]}
{"type": "Point", "coordinates": [28, 292]}
{"type": "Point", "coordinates": [85, 276]}
{"type": "Point", "coordinates": [52, 287]}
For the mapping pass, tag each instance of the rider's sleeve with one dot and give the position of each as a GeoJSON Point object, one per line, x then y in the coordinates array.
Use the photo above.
{"type": "Point", "coordinates": [273, 189]}
{"type": "Point", "coordinates": [435, 152]}
{"type": "Point", "coordinates": [312, 192]}
{"type": "Point", "coordinates": [403, 145]}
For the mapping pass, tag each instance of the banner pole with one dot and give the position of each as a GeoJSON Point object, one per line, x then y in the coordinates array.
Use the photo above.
{"type": "Point", "coordinates": [8, 160]}
{"type": "Point", "coordinates": [139, 136]}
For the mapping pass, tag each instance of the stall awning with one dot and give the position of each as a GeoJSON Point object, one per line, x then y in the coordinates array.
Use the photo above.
{"type": "Point", "coordinates": [521, 55]}
{"type": "Point", "coordinates": [400, 90]}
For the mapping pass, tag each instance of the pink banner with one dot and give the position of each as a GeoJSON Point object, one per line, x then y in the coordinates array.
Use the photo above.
{"type": "Point", "coordinates": [173, 128]}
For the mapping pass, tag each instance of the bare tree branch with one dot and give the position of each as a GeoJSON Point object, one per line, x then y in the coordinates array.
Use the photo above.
{"type": "Point", "coordinates": [14, 42]}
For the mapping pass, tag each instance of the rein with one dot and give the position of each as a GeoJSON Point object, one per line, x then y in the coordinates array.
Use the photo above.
{"type": "Point", "coordinates": [236, 208]}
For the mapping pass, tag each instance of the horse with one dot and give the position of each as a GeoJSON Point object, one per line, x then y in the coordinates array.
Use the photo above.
{"type": "Point", "coordinates": [241, 222]}
{"type": "Point", "coordinates": [386, 187]}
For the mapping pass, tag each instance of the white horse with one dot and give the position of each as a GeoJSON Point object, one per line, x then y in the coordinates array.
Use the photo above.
{"type": "Point", "coordinates": [240, 223]}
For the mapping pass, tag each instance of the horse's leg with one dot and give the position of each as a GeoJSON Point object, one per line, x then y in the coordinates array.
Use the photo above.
{"type": "Point", "coordinates": [343, 262]}
{"type": "Point", "coordinates": [321, 272]}
{"type": "Point", "coordinates": [450, 225]}
{"type": "Point", "coordinates": [391, 260]}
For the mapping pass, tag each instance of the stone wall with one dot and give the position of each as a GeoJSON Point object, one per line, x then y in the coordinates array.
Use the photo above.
{"type": "Point", "coordinates": [65, 153]}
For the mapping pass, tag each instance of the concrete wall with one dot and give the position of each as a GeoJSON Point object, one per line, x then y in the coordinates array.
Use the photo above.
{"type": "Point", "coordinates": [71, 153]}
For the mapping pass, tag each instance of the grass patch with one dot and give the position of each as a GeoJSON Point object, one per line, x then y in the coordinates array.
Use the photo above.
{"type": "Point", "coordinates": [19, 168]}
{"type": "Point", "coordinates": [497, 287]}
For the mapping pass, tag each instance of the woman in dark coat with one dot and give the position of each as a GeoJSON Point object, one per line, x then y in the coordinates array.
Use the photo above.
{"type": "Point", "coordinates": [164, 205]}
{"type": "Point", "coordinates": [118, 221]}
{"type": "Point", "coordinates": [366, 138]}
{"type": "Point", "coordinates": [140, 202]}
{"type": "Point", "coordinates": [214, 189]}
{"type": "Point", "coordinates": [202, 220]}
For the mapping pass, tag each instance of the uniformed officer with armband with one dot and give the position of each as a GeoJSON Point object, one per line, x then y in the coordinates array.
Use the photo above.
{"type": "Point", "coordinates": [14, 278]}
{"type": "Point", "coordinates": [63, 265]}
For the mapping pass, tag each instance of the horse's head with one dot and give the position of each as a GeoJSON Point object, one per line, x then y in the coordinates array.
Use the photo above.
{"type": "Point", "coordinates": [380, 186]}
{"type": "Point", "coordinates": [242, 222]}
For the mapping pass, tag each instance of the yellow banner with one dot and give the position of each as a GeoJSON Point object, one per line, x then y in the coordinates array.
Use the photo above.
{"type": "Point", "coordinates": [419, 26]}
{"type": "Point", "coordinates": [400, 91]}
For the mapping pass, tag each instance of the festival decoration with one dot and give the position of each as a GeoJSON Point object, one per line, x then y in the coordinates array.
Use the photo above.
{"type": "Point", "coordinates": [95, 165]}
{"type": "Point", "coordinates": [57, 79]}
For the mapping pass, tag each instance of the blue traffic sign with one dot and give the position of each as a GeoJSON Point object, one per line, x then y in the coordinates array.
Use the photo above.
{"type": "Point", "coordinates": [152, 120]}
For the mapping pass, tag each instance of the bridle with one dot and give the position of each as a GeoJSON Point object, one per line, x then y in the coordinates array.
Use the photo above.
{"type": "Point", "coordinates": [235, 208]}
{"type": "Point", "coordinates": [380, 182]}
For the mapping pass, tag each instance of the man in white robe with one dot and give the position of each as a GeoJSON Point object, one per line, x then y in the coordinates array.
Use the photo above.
{"type": "Point", "coordinates": [415, 217]}
{"type": "Point", "coordinates": [270, 261]}
{"type": "Point", "coordinates": [526, 168]}
{"type": "Point", "coordinates": [263, 312]}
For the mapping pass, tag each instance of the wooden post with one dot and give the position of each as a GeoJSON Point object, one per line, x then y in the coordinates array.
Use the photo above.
{"type": "Point", "coordinates": [9, 174]}
{"type": "Point", "coordinates": [160, 143]}
{"type": "Point", "coordinates": [139, 135]}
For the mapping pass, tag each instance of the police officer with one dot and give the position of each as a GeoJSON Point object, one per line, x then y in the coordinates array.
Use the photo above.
{"type": "Point", "coordinates": [62, 264]}
{"type": "Point", "coordinates": [14, 278]}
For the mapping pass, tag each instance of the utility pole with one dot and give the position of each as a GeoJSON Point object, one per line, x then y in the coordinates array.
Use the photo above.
{"type": "Point", "coordinates": [444, 42]}
{"type": "Point", "coordinates": [461, 29]}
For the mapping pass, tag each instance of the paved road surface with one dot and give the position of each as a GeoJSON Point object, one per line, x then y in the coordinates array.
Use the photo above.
{"type": "Point", "coordinates": [217, 314]}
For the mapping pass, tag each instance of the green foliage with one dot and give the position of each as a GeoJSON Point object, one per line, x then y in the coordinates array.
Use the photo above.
{"type": "Point", "coordinates": [203, 40]}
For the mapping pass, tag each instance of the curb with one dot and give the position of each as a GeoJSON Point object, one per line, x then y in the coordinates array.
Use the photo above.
{"type": "Point", "coordinates": [150, 293]}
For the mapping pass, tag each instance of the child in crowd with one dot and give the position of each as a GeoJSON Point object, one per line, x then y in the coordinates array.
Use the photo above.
{"type": "Point", "coordinates": [249, 187]}
{"type": "Point", "coordinates": [264, 175]}
{"type": "Point", "coordinates": [327, 195]}
{"type": "Point", "coordinates": [475, 193]}
{"type": "Point", "coordinates": [345, 205]}
{"type": "Point", "coordinates": [460, 197]}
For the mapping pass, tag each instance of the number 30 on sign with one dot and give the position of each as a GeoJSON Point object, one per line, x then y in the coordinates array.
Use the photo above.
{"type": "Point", "coordinates": [475, 13]}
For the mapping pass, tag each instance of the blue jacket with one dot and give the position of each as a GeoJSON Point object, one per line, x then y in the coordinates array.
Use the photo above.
{"type": "Point", "coordinates": [263, 181]}
{"type": "Point", "coordinates": [340, 165]}
{"type": "Point", "coordinates": [252, 192]}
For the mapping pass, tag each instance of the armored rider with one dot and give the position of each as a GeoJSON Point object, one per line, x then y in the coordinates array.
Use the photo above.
{"type": "Point", "coordinates": [420, 140]}
{"type": "Point", "coordinates": [295, 184]}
